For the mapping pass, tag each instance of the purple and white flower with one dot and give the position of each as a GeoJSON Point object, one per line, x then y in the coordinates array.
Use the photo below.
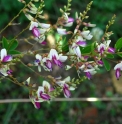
{"type": "Point", "coordinates": [66, 88]}
{"type": "Point", "coordinates": [42, 92]}
{"type": "Point", "coordinates": [4, 56]}
{"type": "Point", "coordinates": [38, 62]}
{"type": "Point", "coordinates": [5, 70]}
{"type": "Point", "coordinates": [75, 46]}
{"type": "Point", "coordinates": [90, 72]}
{"type": "Point", "coordinates": [118, 69]}
{"type": "Point", "coordinates": [69, 20]}
{"type": "Point", "coordinates": [105, 47]}
{"type": "Point", "coordinates": [57, 59]}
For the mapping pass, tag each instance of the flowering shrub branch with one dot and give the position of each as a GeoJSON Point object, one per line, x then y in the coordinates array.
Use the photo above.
{"type": "Point", "coordinates": [83, 54]}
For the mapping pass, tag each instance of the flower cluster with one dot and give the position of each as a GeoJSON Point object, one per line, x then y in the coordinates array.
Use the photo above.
{"type": "Point", "coordinates": [73, 49]}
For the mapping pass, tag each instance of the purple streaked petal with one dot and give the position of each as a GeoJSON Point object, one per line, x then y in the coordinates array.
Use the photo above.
{"type": "Point", "coordinates": [35, 32]}
{"type": "Point", "coordinates": [66, 90]}
{"type": "Point", "coordinates": [117, 73]}
{"type": "Point", "coordinates": [111, 50]}
{"type": "Point", "coordinates": [100, 62]}
{"type": "Point", "coordinates": [37, 105]}
{"type": "Point", "coordinates": [49, 64]}
{"type": "Point", "coordinates": [102, 50]}
{"type": "Point", "coordinates": [77, 51]}
{"type": "Point", "coordinates": [45, 96]}
{"type": "Point", "coordinates": [7, 58]}
{"type": "Point", "coordinates": [88, 75]}
{"type": "Point", "coordinates": [81, 43]}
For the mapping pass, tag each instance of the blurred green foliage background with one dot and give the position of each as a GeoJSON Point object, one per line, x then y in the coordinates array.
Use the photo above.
{"type": "Point", "coordinates": [64, 112]}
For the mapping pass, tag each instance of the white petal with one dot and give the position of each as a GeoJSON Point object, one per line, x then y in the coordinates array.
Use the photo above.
{"type": "Point", "coordinates": [60, 83]}
{"type": "Point", "coordinates": [28, 80]}
{"type": "Point", "coordinates": [41, 39]}
{"type": "Point", "coordinates": [43, 25]}
{"type": "Point", "coordinates": [4, 71]}
{"type": "Point", "coordinates": [40, 89]}
{"type": "Point", "coordinates": [71, 88]}
{"type": "Point", "coordinates": [38, 57]}
{"type": "Point", "coordinates": [119, 65]}
{"type": "Point", "coordinates": [67, 67]}
{"type": "Point", "coordinates": [108, 42]}
{"type": "Point", "coordinates": [33, 24]}
{"type": "Point", "coordinates": [62, 58]}
{"type": "Point", "coordinates": [39, 68]}
{"type": "Point", "coordinates": [86, 35]}
{"type": "Point", "coordinates": [61, 31]}
{"type": "Point", "coordinates": [52, 53]}
{"type": "Point", "coordinates": [46, 84]}
{"type": "Point", "coordinates": [79, 38]}
{"type": "Point", "coordinates": [42, 31]}
{"type": "Point", "coordinates": [82, 67]}
{"type": "Point", "coordinates": [77, 51]}
{"type": "Point", "coordinates": [3, 54]}
{"type": "Point", "coordinates": [67, 79]}
{"type": "Point", "coordinates": [69, 24]}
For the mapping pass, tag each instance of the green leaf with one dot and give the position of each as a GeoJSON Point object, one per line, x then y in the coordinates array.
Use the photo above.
{"type": "Point", "coordinates": [110, 56]}
{"type": "Point", "coordinates": [106, 64]}
{"type": "Point", "coordinates": [86, 50]}
{"type": "Point", "coordinates": [13, 52]}
{"type": "Point", "coordinates": [118, 44]}
{"type": "Point", "coordinates": [13, 44]}
{"type": "Point", "coordinates": [5, 43]}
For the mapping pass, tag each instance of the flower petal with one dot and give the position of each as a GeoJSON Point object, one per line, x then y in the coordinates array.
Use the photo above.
{"type": "Point", "coordinates": [7, 58]}
{"type": "Point", "coordinates": [38, 57]}
{"type": "Point", "coordinates": [81, 43]}
{"type": "Point", "coordinates": [62, 58]}
{"type": "Point", "coordinates": [45, 96]}
{"type": "Point", "coordinates": [66, 90]}
{"type": "Point", "coordinates": [53, 53]}
{"type": "Point", "coordinates": [77, 51]}
{"type": "Point", "coordinates": [44, 25]}
{"type": "Point", "coordinates": [3, 54]}
{"type": "Point", "coordinates": [33, 24]}
{"type": "Point", "coordinates": [46, 84]}
{"type": "Point", "coordinates": [61, 31]}
{"type": "Point", "coordinates": [67, 79]}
